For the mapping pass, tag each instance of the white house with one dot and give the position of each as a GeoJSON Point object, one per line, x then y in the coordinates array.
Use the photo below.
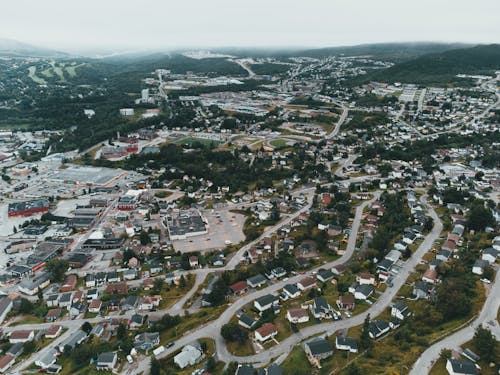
{"type": "Point", "coordinates": [461, 367]}
{"type": "Point", "coordinates": [400, 310]}
{"type": "Point", "coordinates": [189, 356]}
{"type": "Point", "coordinates": [297, 316]}
{"type": "Point", "coordinates": [490, 255]}
{"type": "Point", "coordinates": [266, 332]}
{"type": "Point", "coordinates": [346, 343]}
{"type": "Point", "coordinates": [265, 302]}
{"type": "Point", "coordinates": [21, 336]}
{"type": "Point", "coordinates": [363, 292]}
{"type": "Point", "coordinates": [479, 266]}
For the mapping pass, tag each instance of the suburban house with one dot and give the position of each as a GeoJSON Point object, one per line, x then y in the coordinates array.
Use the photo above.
{"type": "Point", "coordinates": [318, 349]}
{"type": "Point", "coordinates": [363, 292]}
{"type": "Point", "coordinates": [6, 362]}
{"type": "Point", "coordinates": [256, 281]}
{"type": "Point", "coordinates": [346, 343]}
{"type": "Point", "coordinates": [266, 332]}
{"type": "Point", "coordinates": [479, 266]}
{"type": "Point", "coordinates": [106, 361]}
{"type": "Point", "coordinates": [365, 278]}
{"type": "Point", "coordinates": [490, 255]}
{"type": "Point", "coordinates": [400, 311]}
{"type": "Point", "coordinates": [324, 275]}
{"type": "Point", "coordinates": [461, 367]}
{"type": "Point", "coordinates": [239, 288]}
{"type": "Point", "coordinates": [346, 302]}
{"type": "Point", "coordinates": [146, 340]}
{"type": "Point", "coordinates": [297, 316]}
{"type": "Point", "coordinates": [321, 309]}
{"type": "Point", "coordinates": [95, 306]}
{"type": "Point", "coordinates": [291, 290]}
{"type": "Point", "coordinates": [21, 336]}
{"type": "Point", "coordinates": [377, 328]}
{"type": "Point", "coordinates": [75, 339]}
{"type": "Point", "coordinates": [246, 321]}
{"type": "Point", "coordinates": [265, 302]}
{"type": "Point", "coordinates": [53, 331]}
{"type": "Point", "coordinates": [5, 307]}
{"type": "Point", "coordinates": [189, 356]}
{"type": "Point", "coordinates": [306, 283]}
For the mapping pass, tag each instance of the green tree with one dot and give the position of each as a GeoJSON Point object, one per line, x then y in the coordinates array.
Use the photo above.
{"type": "Point", "coordinates": [144, 238]}
{"type": "Point", "coordinates": [26, 306]}
{"type": "Point", "coordinates": [121, 331]}
{"type": "Point", "coordinates": [479, 217]}
{"type": "Point", "coordinates": [365, 341]}
{"type": "Point", "coordinates": [210, 365]}
{"type": "Point", "coordinates": [158, 285]}
{"type": "Point", "coordinates": [486, 344]}
{"type": "Point", "coordinates": [155, 366]}
{"type": "Point", "coordinates": [57, 268]}
{"type": "Point", "coordinates": [86, 327]}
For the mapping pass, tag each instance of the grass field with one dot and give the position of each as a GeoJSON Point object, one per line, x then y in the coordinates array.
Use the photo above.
{"type": "Point", "coordinates": [191, 140]}
{"type": "Point", "coordinates": [278, 143]}
{"type": "Point", "coordinates": [34, 77]}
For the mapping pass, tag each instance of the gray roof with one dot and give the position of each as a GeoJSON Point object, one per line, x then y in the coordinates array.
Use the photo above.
{"type": "Point", "coordinates": [257, 279]}
{"type": "Point", "coordinates": [265, 300]}
{"type": "Point", "coordinates": [319, 346]}
{"type": "Point", "coordinates": [106, 357]}
{"type": "Point", "coordinates": [461, 366]}
{"type": "Point", "coordinates": [247, 319]}
{"type": "Point", "coordinates": [347, 341]}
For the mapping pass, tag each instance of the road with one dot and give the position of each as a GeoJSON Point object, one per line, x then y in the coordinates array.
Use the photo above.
{"type": "Point", "coordinates": [488, 314]}
{"type": "Point", "coordinates": [343, 116]}
{"type": "Point", "coordinates": [213, 328]}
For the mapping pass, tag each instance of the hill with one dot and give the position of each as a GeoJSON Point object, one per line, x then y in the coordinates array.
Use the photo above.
{"type": "Point", "coordinates": [440, 68]}
{"type": "Point", "coordinates": [13, 48]}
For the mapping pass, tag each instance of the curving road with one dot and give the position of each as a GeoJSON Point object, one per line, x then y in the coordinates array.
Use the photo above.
{"type": "Point", "coordinates": [487, 319]}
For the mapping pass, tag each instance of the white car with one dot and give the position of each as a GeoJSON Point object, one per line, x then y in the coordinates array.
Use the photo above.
{"type": "Point", "coordinates": [486, 281]}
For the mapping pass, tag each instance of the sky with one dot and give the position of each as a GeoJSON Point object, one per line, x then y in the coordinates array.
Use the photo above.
{"type": "Point", "coordinates": [167, 24]}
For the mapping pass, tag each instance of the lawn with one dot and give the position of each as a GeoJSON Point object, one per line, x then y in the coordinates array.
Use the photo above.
{"type": "Point", "coordinates": [278, 143]}
{"type": "Point", "coordinates": [34, 77]}
{"type": "Point", "coordinates": [191, 140]}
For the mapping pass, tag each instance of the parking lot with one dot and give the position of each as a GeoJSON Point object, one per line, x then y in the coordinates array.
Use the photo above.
{"type": "Point", "coordinates": [223, 226]}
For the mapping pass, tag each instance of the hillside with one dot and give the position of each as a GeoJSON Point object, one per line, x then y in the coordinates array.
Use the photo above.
{"type": "Point", "coordinates": [13, 48]}
{"type": "Point", "coordinates": [440, 68]}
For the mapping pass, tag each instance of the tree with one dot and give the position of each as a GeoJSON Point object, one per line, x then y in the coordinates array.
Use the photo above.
{"type": "Point", "coordinates": [479, 217]}
{"type": "Point", "coordinates": [121, 331]}
{"type": "Point", "coordinates": [155, 366]}
{"type": "Point", "coordinates": [233, 332]}
{"type": "Point", "coordinates": [86, 327]}
{"type": "Point", "coordinates": [25, 307]}
{"type": "Point", "coordinates": [158, 285]}
{"type": "Point", "coordinates": [182, 282]}
{"type": "Point", "coordinates": [210, 365]}
{"type": "Point", "coordinates": [485, 343]}
{"type": "Point", "coordinates": [57, 268]}
{"type": "Point", "coordinates": [365, 341]}
{"type": "Point", "coordinates": [445, 353]}
{"type": "Point", "coordinates": [454, 300]}
{"type": "Point", "coordinates": [429, 224]}
{"type": "Point", "coordinates": [144, 238]}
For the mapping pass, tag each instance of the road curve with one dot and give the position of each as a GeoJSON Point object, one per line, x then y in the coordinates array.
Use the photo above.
{"type": "Point", "coordinates": [487, 318]}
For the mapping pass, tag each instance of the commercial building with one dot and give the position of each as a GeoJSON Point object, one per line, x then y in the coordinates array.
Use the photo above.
{"type": "Point", "coordinates": [28, 208]}
{"type": "Point", "coordinates": [186, 223]}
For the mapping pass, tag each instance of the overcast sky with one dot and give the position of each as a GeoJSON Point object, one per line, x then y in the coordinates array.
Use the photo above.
{"type": "Point", "coordinates": [68, 24]}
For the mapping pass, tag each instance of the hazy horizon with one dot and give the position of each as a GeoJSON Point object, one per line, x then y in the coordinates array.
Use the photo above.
{"type": "Point", "coordinates": [168, 25]}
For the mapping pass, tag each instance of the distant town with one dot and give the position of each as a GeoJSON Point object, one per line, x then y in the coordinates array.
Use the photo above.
{"type": "Point", "coordinates": [219, 213]}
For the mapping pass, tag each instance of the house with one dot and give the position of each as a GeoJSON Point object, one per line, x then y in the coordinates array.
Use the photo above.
{"type": "Point", "coordinates": [65, 299]}
{"type": "Point", "coordinates": [443, 255]}
{"type": "Point", "coordinates": [461, 367]}
{"type": "Point", "coordinates": [346, 343]}
{"type": "Point", "coordinates": [106, 361]}
{"type": "Point", "coordinates": [75, 339]}
{"type": "Point", "coordinates": [90, 280]}
{"type": "Point", "coordinates": [321, 309]}
{"type": "Point", "coordinates": [479, 266]}
{"type": "Point", "coordinates": [278, 272]}
{"type": "Point", "coordinates": [422, 289]}
{"type": "Point", "coordinates": [339, 269]}
{"type": "Point", "coordinates": [306, 283]}
{"type": "Point", "coordinates": [146, 340]}
{"type": "Point", "coordinates": [133, 263]}
{"type": "Point", "coordinates": [256, 281]}
{"type": "Point", "coordinates": [245, 370]}
{"type": "Point", "coordinates": [266, 332]}
{"type": "Point", "coordinates": [136, 321]}
{"type": "Point", "coordinates": [365, 278]}
{"type": "Point", "coordinates": [291, 290]}
{"type": "Point", "coordinates": [265, 302]}
{"type": "Point", "coordinates": [53, 315]}
{"type": "Point", "coordinates": [384, 265]}
{"type": "Point", "coordinates": [377, 328]}
{"type": "Point", "coordinates": [400, 311]}
{"type": "Point", "coordinates": [449, 246]}
{"type": "Point", "coordinates": [129, 274]}
{"type": "Point", "coordinates": [76, 309]}
{"type": "Point", "coordinates": [69, 284]}
{"type": "Point", "coordinates": [297, 316]}
{"type": "Point", "coordinates": [346, 302]}
{"type": "Point", "coordinates": [318, 349]}
{"type": "Point", "coordinates": [131, 303]}
{"type": "Point", "coordinates": [409, 238]}
{"type": "Point", "coordinates": [239, 288]}
{"type": "Point", "coordinates": [324, 275]}
{"type": "Point", "coordinates": [394, 255]}
{"type": "Point", "coordinates": [273, 369]}
{"type": "Point", "coordinates": [5, 307]}
{"type": "Point", "coordinates": [189, 356]}
{"type": "Point", "coordinates": [23, 336]}
{"type": "Point", "coordinates": [53, 331]}
{"type": "Point", "coordinates": [32, 286]}
{"type": "Point", "coordinates": [363, 292]}
{"type": "Point", "coordinates": [193, 261]}
{"type": "Point", "coordinates": [490, 255]}
{"type": "Point", "coordinates": [97, 330]}
{"type": "Point", "coordinates": [16, 350]}
{"type": "Point", "coordinates": [95, 306]}
{"type": "Point", "coordinates": [6, 362]}
{"type": "Point", "coordinates": [246, 321]}
{"type": "Point", "coordinates": [113, 276]}
{"type": "Point", "coordinates": [430, 276]}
